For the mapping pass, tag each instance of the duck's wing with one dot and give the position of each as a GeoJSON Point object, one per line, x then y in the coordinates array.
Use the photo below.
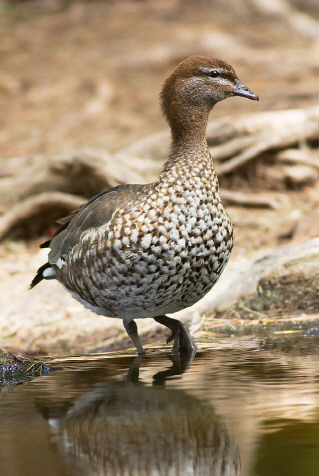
{"type": "Point", "coordinates": [96, 212]}
{"type": "Point", "coordinates": [93, 214]}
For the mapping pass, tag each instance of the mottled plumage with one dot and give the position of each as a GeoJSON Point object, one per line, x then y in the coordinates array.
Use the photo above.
{"type": "Point", "coordinates": [139, 251]}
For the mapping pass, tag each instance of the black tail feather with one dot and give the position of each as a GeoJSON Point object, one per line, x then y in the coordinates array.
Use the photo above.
{"type": "Point", "coordinates": [39, 276]}
{"type": "Point", "coordinates": [46, 244]}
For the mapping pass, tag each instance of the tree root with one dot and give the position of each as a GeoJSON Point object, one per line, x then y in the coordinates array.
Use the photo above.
{"type": "Point", "coordinates": [36, 214]}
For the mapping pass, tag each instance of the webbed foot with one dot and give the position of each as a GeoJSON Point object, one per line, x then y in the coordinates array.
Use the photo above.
{"type": "Point", "coordinates": [180, 334]}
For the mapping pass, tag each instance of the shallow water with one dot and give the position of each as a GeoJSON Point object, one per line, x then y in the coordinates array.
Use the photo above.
{"type": "Point", "coordinates": [247, 408]}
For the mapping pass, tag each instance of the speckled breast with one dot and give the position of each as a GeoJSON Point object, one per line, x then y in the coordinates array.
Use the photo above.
{"type": "Point", "coordinates": [154, 257]}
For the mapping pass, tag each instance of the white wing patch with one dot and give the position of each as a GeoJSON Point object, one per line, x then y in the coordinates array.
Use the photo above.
{"type": "Point", "coordinates": [60, 262]}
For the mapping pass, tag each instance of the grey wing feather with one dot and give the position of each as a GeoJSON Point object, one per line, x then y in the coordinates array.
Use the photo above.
{"type": "Point", "coordinates": [96, 212]}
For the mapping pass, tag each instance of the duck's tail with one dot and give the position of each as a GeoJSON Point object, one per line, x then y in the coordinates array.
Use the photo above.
{"type": "Point", "coordinates": [44, 272]}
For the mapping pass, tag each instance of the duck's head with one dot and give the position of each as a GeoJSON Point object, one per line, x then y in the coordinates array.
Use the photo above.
{"type": "Point", "coordinates": [204, 81]}
{"type": "Point", "coordinates": [198, 83]}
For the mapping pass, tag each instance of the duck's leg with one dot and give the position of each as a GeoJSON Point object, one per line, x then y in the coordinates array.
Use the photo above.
{"type": "Point", "coordinates": [131, 329]}
{"type": "Point", "coordinates": [183, 341]}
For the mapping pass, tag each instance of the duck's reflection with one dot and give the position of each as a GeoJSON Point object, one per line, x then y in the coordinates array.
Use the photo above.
{"type": "Point", "coordinates": [128, 428]}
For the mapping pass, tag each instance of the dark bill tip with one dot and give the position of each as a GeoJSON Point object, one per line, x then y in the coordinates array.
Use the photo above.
{"type": "Point", "coordinates": [242, 90]}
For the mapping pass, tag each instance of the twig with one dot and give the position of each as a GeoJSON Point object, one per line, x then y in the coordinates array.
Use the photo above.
{"type": "Point", "coordinates": [250, 199]}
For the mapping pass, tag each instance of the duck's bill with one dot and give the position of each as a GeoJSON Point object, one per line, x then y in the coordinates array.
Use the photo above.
{"type": "Point", "coordinates": [242, 90]}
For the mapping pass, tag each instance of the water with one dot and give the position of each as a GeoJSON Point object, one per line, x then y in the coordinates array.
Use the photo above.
{"type": "Point", "coordinates": [246, 408]}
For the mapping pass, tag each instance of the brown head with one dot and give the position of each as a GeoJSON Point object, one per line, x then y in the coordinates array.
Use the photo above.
{"type": "Point", "coordinates": [193, 88]}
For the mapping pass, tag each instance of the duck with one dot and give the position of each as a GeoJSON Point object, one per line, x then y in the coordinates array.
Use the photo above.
{"type": "Point", "coordinates": [139, 251]}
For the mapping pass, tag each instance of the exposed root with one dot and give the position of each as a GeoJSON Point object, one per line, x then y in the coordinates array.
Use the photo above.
{"type": "Point", "coordinates": [34, 214]}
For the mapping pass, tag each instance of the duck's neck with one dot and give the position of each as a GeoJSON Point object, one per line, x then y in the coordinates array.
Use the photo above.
{"type": "Point", "coordinates": [189, 130]}
{"type": "Point", "coordinates": [189, 145]}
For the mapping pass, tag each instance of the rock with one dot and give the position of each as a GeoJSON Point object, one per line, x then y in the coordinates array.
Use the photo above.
{"type": "Point", "coordinates": [14, 370]}
{"type": "Point", "coordinates": [285, 282]}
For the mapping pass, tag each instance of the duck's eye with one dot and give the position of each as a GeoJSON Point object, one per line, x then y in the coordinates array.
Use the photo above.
{"type": "Point", "coordinates": [214, 73]}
